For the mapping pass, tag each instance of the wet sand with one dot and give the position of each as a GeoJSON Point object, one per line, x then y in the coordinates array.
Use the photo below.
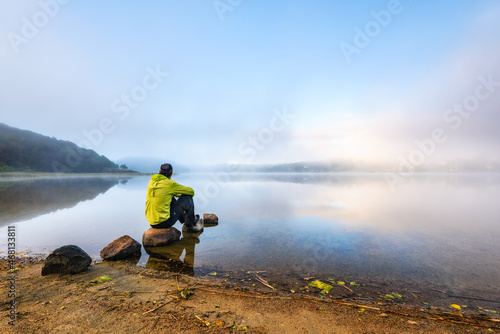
{"type": "Point", "coordinates": [140, 300]}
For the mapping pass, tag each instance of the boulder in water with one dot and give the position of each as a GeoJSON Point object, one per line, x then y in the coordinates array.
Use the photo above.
{"type": "Point", "coordinates": [210, 219]}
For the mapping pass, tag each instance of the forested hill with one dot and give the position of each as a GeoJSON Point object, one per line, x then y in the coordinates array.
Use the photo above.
{"type": "Point", "coordinates": [22, 150]}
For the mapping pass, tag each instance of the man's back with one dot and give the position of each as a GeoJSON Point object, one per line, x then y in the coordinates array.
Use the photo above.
{"type": "Point", "coordinates": [159, 195]}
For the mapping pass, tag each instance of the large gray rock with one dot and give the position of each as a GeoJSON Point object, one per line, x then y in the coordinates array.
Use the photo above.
{"type": "Point", "coordinates": [154, 237]}
{"type": "Point", "coordinates": [69, 259]}
{"type": "Point", "coordinates": [209, 219]}
{"type": "Point", "coordinates": [121, 248]}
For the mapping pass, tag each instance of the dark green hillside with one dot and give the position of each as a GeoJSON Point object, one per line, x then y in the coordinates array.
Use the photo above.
{"type": "Point", "coordinates": [22, 150]}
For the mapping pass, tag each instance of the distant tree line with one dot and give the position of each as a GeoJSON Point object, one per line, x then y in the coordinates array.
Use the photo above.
{"type": "Point", "coordinates": [22, 150]}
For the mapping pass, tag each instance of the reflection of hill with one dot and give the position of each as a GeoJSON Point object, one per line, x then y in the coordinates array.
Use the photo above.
{"type": "Point", "coordinates": [23, 200]}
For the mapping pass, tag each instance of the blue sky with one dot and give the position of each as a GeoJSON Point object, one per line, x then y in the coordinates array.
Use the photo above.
{"type": "Point", "coordinates": [230, 73]}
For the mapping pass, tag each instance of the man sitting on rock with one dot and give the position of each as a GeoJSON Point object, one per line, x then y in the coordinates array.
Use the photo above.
{"type": "Point", "coordinates": [163, 209]}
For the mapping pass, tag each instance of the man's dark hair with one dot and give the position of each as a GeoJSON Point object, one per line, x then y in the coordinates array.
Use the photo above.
{"type": "Point", "coordinates": [166, 169]}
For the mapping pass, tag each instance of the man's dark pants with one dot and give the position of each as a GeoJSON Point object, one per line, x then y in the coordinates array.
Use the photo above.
{"type": "Point", "coordinates": [181, 209]}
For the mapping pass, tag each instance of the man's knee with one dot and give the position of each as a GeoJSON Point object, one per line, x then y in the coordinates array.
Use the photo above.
{"type": "Point", "coordinates": [184, 196]}
{"type": "Point", "coordinates": [185, 201]}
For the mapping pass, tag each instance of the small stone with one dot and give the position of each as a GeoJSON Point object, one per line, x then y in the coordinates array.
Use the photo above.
{"type": "Point", "coordinates": [154, 237]}
{"type": "Point", "coordinates": [69, 259]}
{"type": "Point", "coordinates": [210, 219]}
{"type": "Point", "coordinates": [121, 248]}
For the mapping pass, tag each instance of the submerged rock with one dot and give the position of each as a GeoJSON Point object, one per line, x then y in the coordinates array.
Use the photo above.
{"type": "Point", "coordinates": [69, 259]}
{"type": "Point", "coordinates": [169, 265]}
{"type": "Point", "coordinates": [121, 248]}
{"type": "Point", "coordinates": [154, 237]}
{"type": "Point", "coordinates": [210, 219]}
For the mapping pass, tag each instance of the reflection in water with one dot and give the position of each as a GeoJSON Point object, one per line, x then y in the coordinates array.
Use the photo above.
{"type": "Point", "coordinates": [439, 231]}
{"type": "Point", "coordinates": [23, 200]}
{"type": "Point", "coordinates": [133, 260]}
{"type": "Point", "coordinates": [168, 258]}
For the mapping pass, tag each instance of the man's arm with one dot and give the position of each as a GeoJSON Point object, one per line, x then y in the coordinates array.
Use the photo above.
{"type": "Point", "coordinates": [179, 189]}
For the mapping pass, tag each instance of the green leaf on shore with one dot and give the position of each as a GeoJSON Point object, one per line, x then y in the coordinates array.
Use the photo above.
{"type": "Point", "coordinates": [186, 293]}
{"type": "Point", "coordinates": [325, 288]}
{"type": "Point", "coordinates": [392, 296]}
{"type": "Point", "coordinates": [101, 279]}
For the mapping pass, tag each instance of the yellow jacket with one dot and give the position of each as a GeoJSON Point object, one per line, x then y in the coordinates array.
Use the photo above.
{"type": "Point", "coordinates": [160, 191]}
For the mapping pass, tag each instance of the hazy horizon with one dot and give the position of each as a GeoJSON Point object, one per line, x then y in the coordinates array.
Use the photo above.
{"type": "Point", "coordinates": [376, 82]}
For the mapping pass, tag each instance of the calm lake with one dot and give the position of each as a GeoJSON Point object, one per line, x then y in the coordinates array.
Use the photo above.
{"type": "Point", "coordinates": [440, 231]}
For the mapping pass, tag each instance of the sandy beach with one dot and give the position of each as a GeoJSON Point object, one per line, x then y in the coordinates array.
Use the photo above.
{"type": "Point", "coordinates": [119, 297]}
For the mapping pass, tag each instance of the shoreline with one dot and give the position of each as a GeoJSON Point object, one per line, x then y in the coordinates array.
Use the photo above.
{"type": "Point", "coordinates": [65, 175]}
{"type": "Point", "coordinates": [221, 303]}
{"type": "Point", "coordinates": [135, 173]}
{"type": "Point", "coordinates": [395, 292]}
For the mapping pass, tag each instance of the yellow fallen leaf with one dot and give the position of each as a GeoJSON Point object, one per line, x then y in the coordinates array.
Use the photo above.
{"type": "Point", "coordinates": [325, 288]}
{"type": "Point", "coordinates": [186, 293]}
{"type": "Point", "coordinates": [101, 279]}
{"type": "Point", "coordinates": [455, 306]}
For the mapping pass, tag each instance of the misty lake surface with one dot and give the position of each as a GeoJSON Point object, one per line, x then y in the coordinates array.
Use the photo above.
{"type": "Point", "coordinates": [435, 230]}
